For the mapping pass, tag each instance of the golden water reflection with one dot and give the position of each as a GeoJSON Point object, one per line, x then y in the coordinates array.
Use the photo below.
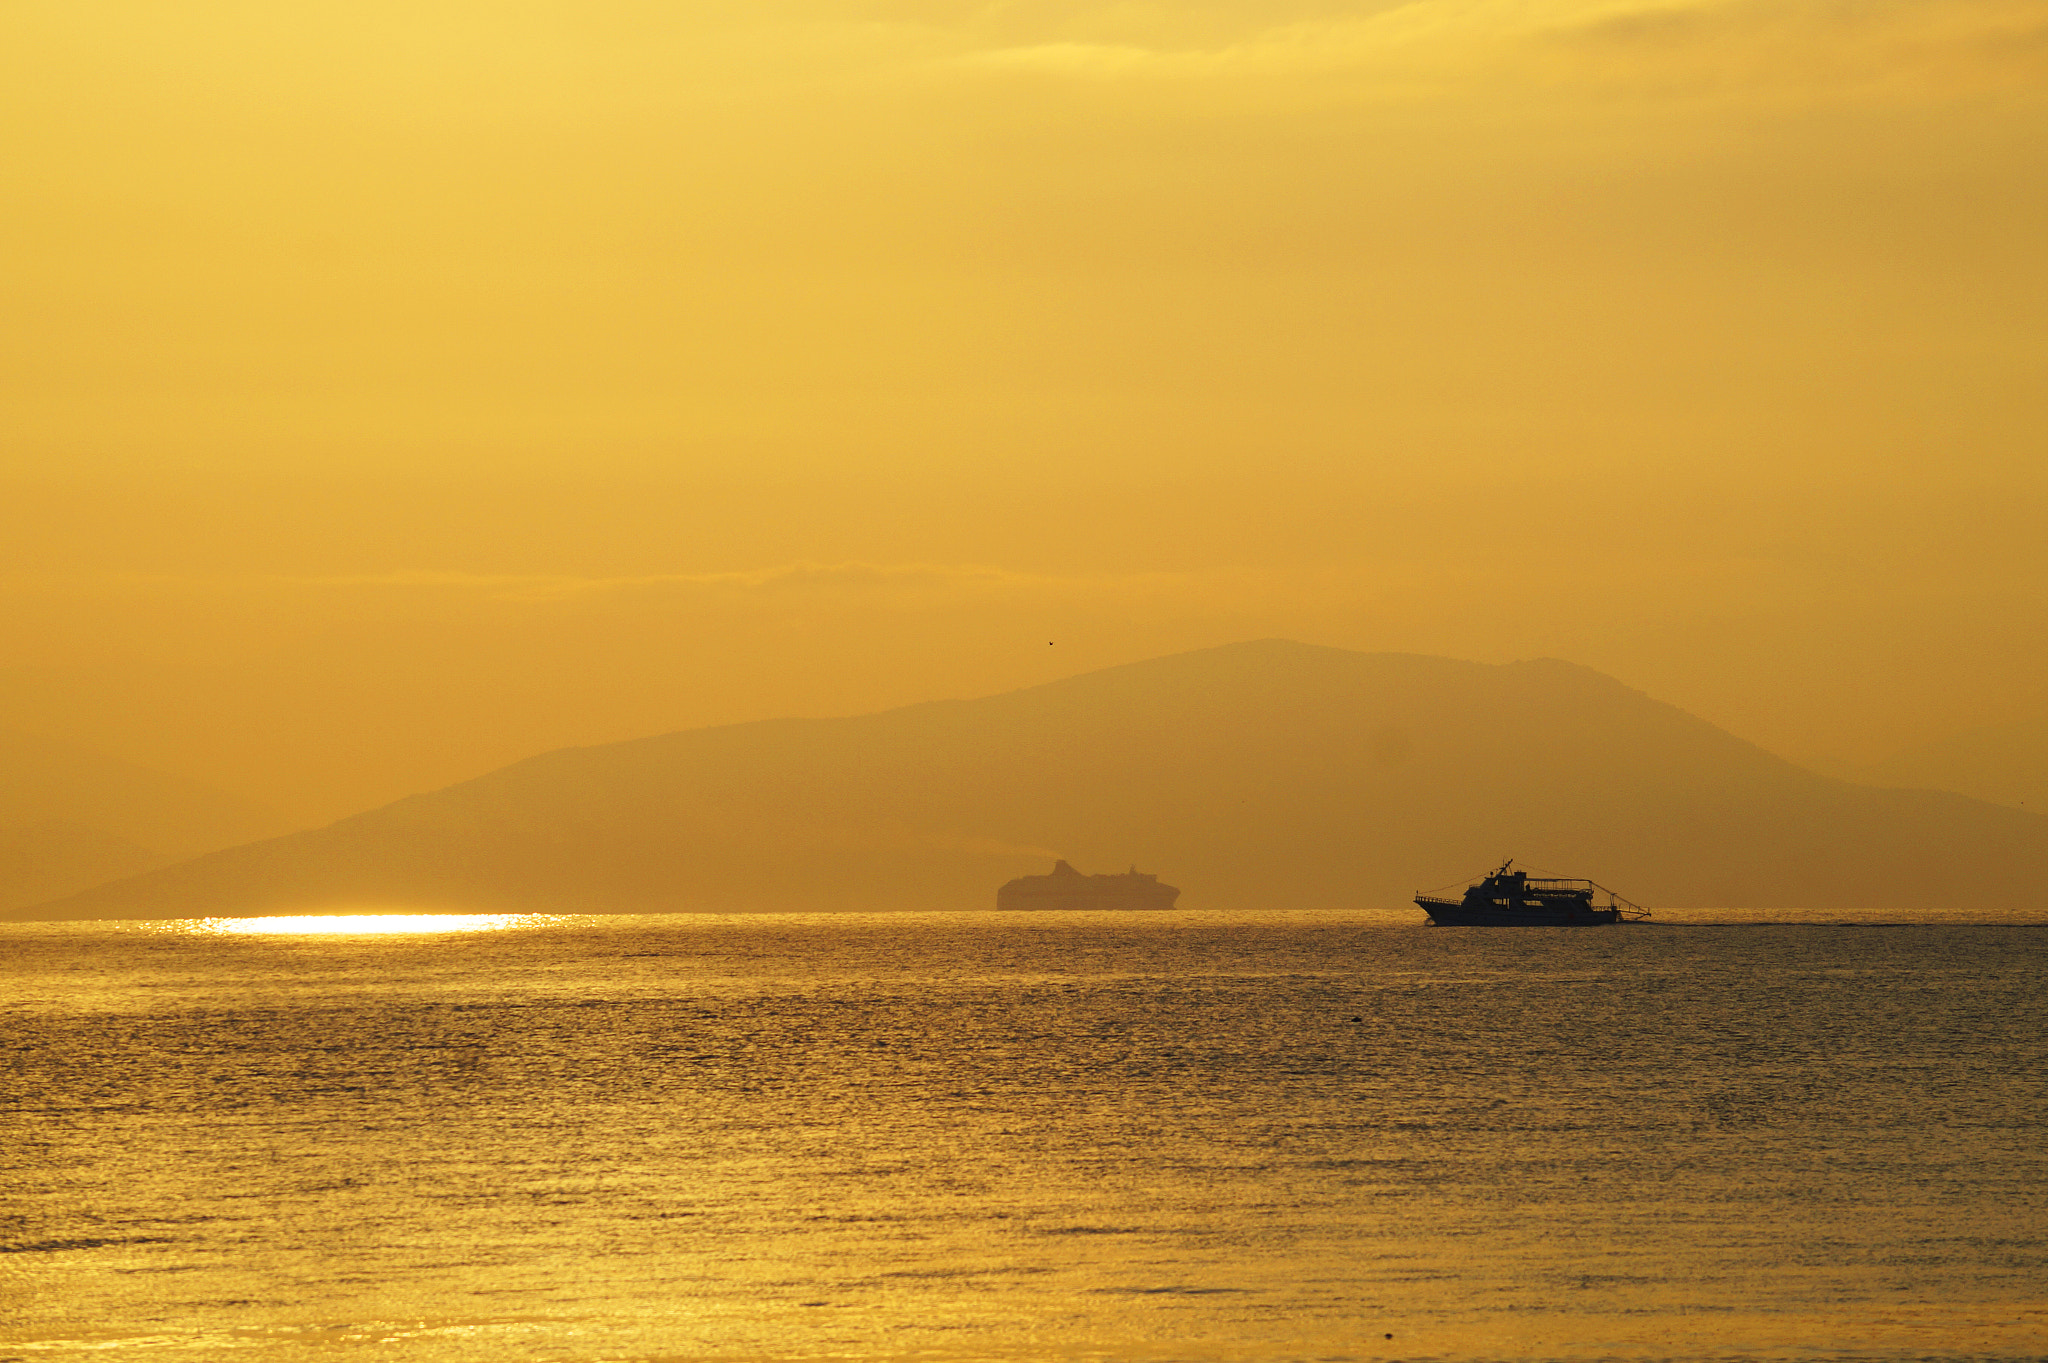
{"type": "Point", "coordinates": [372, 923]}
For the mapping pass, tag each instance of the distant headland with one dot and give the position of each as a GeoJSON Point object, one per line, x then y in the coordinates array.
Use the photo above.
{"type": "Point", "coordinates": [1270, 774]}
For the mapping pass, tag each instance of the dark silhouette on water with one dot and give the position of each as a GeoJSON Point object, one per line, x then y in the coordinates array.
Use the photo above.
{"type": "Point", "coordinates": [1511, 898]}
{"type": "Point", "coordinates": [1067, 888]}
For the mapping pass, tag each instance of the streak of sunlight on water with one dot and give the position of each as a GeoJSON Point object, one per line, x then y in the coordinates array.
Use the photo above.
{"type": "Point", "coordinates": [1185, 1135]}
{"type": "Point", "coordinates": [358, 924]}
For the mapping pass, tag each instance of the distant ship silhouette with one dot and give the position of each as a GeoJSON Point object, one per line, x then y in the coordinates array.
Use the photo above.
{"type": "Point", "coordinates": [1067, 888]}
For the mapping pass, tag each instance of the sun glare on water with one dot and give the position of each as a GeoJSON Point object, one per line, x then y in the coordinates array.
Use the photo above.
{"type": "Point", "coordinates": [372, 923]}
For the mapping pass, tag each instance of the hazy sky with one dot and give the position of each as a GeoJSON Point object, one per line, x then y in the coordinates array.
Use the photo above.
{"type": "Point", "coordinates": [394, 390]}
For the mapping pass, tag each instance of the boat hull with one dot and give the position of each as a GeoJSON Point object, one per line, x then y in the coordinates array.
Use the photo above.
{"type": "Point", "coordinates": [1455, 915]}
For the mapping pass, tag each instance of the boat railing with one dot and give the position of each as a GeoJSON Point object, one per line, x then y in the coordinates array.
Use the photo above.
{"type": "Point", "coordinates": [1629, 908]}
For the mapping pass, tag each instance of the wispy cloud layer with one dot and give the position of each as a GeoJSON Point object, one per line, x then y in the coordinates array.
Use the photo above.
{"type": "Point", "coordinates": [782, 578]}
{"type": "Point", "coordinates": [1224, 590]}
{"type": "Point", "coordinates": [1437, 45]}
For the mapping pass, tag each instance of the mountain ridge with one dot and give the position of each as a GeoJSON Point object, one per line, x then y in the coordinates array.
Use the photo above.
{"type": "Point", "coordinates": [71, 818]}
{"type": "Point", "coordinates": [1261, 773]}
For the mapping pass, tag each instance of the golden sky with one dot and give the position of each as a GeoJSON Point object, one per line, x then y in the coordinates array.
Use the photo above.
{"type": "Point", "coordinates": [393, 390]}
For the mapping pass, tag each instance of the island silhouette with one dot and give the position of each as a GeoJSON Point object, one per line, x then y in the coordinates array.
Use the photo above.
{"type": "Point", "coordinates": [1265, 774]}
{"type": "Point", "coordinates": [72, 818]}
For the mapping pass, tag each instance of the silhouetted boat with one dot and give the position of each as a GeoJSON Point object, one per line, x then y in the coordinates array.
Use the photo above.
{"type": "Point", "coordinates": [1067, 888]}
{"type": "Point", "coordinates": [1510, 898]}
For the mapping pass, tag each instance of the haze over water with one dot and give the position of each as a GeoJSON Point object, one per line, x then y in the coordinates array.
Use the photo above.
{"type": "Point", "coordinates": [1185, 1135]}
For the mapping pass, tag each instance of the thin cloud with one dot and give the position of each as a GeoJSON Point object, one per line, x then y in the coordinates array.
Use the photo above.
{"type": "Point", "coordinates": [788, 577]}
{"type": "Point", "coordinates": [1444, 44]}
{"type": "Point", "coordinates": [964, 580]}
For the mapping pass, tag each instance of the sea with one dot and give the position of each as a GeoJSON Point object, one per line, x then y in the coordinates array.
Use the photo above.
{"type": "Point", "coordinates": [1279, 1135]}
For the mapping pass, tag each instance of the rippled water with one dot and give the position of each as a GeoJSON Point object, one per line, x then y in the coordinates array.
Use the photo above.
{"type": "Point", "coordinates": [1161, 1136]}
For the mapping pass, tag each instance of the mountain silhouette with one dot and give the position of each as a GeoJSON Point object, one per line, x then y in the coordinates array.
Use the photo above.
{"type": "Point", "coordinates": [1263, 774]}
{"type": "Point", "coordinates": [70, 817]}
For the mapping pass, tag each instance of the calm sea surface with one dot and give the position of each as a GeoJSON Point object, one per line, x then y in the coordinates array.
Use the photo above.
{"type": "Point", "coordinates": [1070, 1136]}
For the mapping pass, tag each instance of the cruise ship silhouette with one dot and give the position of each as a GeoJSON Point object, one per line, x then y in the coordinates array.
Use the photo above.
{"type": "Point", "coordinates": [1067, 888]}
